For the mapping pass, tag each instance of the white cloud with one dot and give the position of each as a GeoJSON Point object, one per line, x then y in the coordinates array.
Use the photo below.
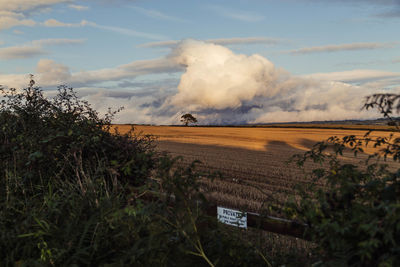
{"type": "Point", "coordinates": [128, 32]}
{"type": "Point", "coordinates": [18, 52]}
{"type": "Point", "coordinates": [62, 74]}
{"type": "Point", "coordinates": [34, 48]}
{"type": "Point", "coordinates": [14, 80]}
{"type": "Point", "coordinates": [119, 30]}
{"type": "Point", "coordinates": [217, 78]}
{"type": "Point", "coordinates": [342, 47]}
{"type": "Point", "coordinates": [50, 72]}
{"type": "Point", "coordinates": [78, 7]}
{"type": "Point", "coordinates": [219, 87]}
{"type": "Point", "coordinates": [14, 13]}
{"type": "Point", "coordinates": [168, 43]}
{"type": "Point", "coordinates": [28, 5]}
{"type": "Point", "coordinates": [219, 41]}
{"type": "Point", "coordinates": [56, 23]}
{"type": "Point", "coordinates": [57, 41]}
{"type": "Point", "coordinates": [236, 14]}
{"type": "Point", "coordinates": [372, 79]}
{"type": "Point", "coordinates": [10, 19]}
{"type": "Point", "coordinates": [245, 40]}
{"type": "Point", "coordinates": [127, 71]}
{"type": "Point", "coordinates": [354, 76]}
{"type": "Point", "coordinates": [222, 87]}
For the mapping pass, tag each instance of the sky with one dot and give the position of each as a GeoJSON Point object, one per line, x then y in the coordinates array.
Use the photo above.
{"type": "Point", "coordinates": [226, 62]}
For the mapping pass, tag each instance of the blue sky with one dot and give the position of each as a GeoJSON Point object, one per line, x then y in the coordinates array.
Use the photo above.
{"type": "Point", "coordinates": [138, 54]}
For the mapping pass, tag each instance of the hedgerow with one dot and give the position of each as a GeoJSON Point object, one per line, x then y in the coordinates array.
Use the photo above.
{"type": "Point", "coordinates": [74, 193]}
{"type": "Point", "coordinates": [353, 211]}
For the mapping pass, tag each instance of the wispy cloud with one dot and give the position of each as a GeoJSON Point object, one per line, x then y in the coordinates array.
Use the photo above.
{"type": "Point", "coordinates": [24, 6]}
{"type": "Point", "coordinates": [18, 52]}
{"type": "Point", "coordinates": [78, 7]}
{"type": "Point", "coordinates": [157, 14]}
{"type": "Point", "coordinates": [236, 14]}
{"type": "Point", "coordinates": [16, 12]}
{"type": "Point", "coordinates": [220, 41]}
{"type": "Point", "coordinates": [56, 23]}
{"type": "Point", "coordinates": [128, 32]}
{"type": "Point", "coordinates": [119, 30]}
{"type": "Point", "coordinates": [394, 13]}
{"type": "Point", "coordinates": [35, 48]}
{"type": "Point", "coordinates": [245, 40]}
{"type": "Point", "coordinates": [57, 41]}
{"type": "Point", "coordinates": [168, 43]}
{"type": "Point", "coordinates": [51, 73]}
{"type": "Point", "coordinates": [383, 9]}
{"type": "Point", "coordinates": [11, 19]}
{"type": "Point", "coordinates": [342, 47]}
{"type": "Point", "coordinates": [354, 76]}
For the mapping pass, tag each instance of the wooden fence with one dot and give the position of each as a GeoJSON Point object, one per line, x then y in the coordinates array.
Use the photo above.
{"type": "Point", "coordinates": [254, 220]}
{"type": "Point", "coordinates": [269, 223]}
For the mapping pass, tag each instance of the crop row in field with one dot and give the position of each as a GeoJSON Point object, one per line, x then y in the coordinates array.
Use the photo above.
{"type": "Point", "coordinates": [253, 164]}
{"type": "Point", "coordinates": [252, 161]}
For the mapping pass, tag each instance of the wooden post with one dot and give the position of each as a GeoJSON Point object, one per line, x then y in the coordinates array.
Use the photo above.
{"type": "Point", "coordinates": [254, 220]}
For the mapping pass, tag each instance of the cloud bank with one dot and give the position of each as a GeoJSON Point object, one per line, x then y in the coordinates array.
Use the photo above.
{"type": "Point", "coordinates": [218, 87]}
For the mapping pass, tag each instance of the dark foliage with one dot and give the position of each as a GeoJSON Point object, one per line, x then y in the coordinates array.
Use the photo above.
{"type": "Point", "coordinates": [63, 138]}
{"type": "Point", "coordinates": [74, 194]}
{"type": "Point", "coordinates": [353, 212]}
{"type": "Point", "coordinates": [188, 118]}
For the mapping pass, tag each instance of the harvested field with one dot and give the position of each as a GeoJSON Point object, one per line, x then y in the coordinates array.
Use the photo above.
{"type": "Point", "coordinates": [252, 161]}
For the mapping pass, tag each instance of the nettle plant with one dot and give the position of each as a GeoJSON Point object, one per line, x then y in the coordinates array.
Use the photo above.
{"type": "Point", "coordinates": [353, 212]}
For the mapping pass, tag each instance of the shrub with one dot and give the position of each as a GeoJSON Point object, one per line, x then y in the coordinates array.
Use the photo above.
{"type": "Point", "coordinates": [353, 212]}
{"type": "Point", "coordinates": [73, 193]}
{"type": "Point", "coordinates": [63, 138]}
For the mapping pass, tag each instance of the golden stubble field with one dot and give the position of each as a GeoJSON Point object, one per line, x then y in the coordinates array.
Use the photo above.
{"type": "Point", "coordinates": [252, 161]}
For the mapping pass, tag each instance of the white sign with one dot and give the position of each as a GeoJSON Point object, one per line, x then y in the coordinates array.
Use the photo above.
{"type": "Point", "coordinates": [232, 217]}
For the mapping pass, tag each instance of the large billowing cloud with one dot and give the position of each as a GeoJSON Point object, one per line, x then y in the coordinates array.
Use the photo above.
{"type": "Point", "coordinates": [219, 87]}
{"type": "Point", "coordinates": [217, 78]}
{"type": "Point", "coordinates": [223, 87]}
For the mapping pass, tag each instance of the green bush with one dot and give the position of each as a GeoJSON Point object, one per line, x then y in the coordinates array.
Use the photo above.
{"type": "Point", "coordinates": [63, 138]}
{"type": "Point", "coordinates": [353, 212]}
{"type": "Point", "coordinates": [74, 194]}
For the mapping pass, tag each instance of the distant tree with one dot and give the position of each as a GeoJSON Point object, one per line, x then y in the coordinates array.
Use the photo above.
{"type": "Point", "coordinates": [188, 118]}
